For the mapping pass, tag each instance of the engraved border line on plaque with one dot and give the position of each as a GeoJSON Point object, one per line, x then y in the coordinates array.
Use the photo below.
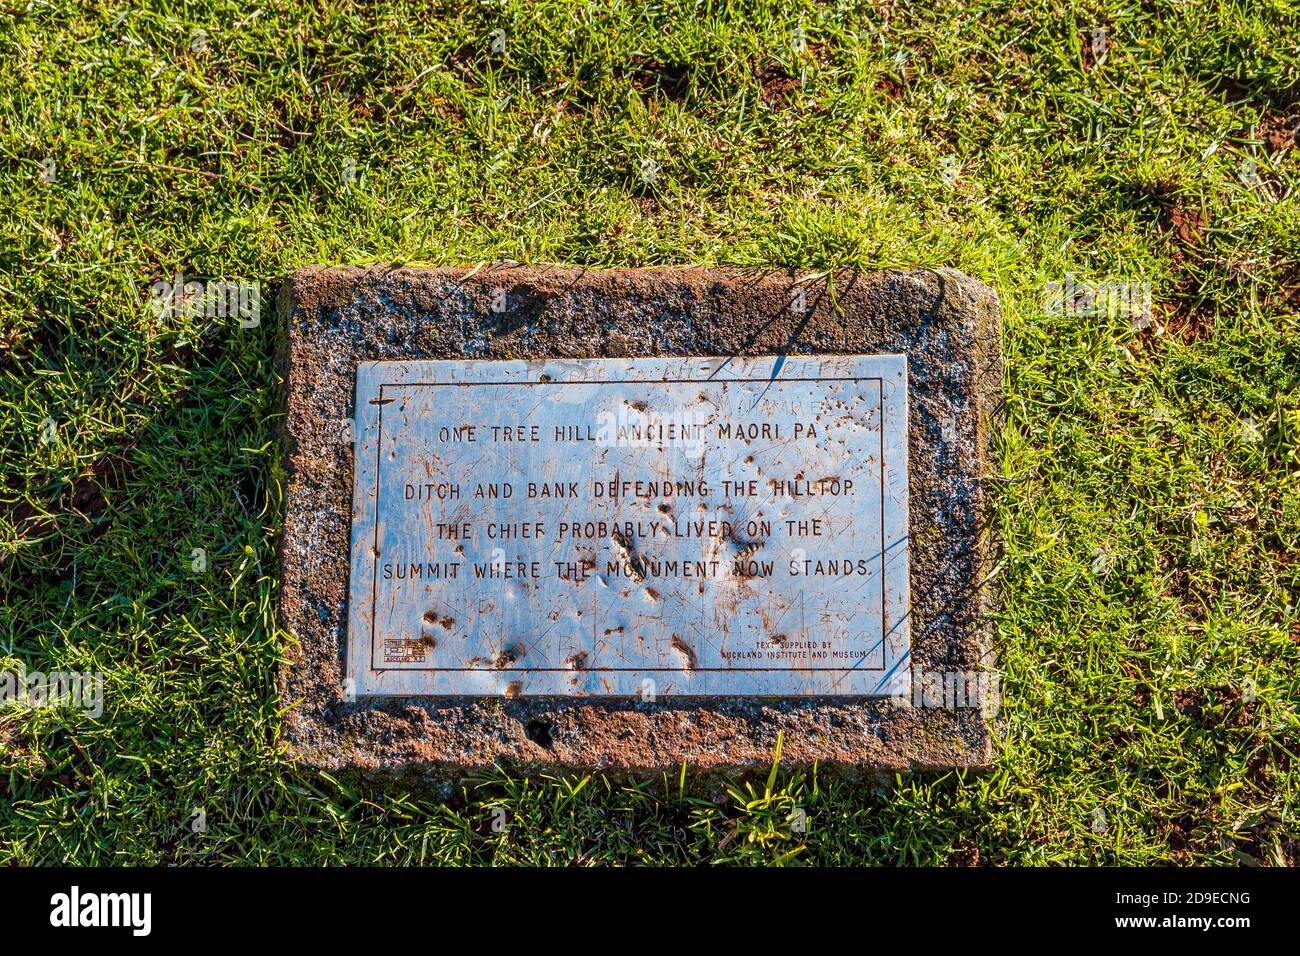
{"type": "Point", "coordinates": [374, 594]}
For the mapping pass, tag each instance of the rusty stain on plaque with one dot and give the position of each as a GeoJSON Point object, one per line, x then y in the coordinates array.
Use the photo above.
{"type": "Point", "coordinates": [631, 527]}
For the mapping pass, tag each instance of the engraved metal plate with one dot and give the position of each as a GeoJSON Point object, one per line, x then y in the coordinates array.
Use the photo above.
{"type": "Point", "coordinates": [636, 527]}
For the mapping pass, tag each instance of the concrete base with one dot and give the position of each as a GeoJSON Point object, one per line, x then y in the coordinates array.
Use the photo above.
{"type": "Point", "coordinates": [945, 322]}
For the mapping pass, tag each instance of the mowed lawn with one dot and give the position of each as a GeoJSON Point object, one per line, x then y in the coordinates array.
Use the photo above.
{"type": "Point", "coordinates": [1147, 501]}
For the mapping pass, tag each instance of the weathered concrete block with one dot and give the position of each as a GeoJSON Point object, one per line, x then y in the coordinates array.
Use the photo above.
{"type": "Point", "coordinates": [797, 543]}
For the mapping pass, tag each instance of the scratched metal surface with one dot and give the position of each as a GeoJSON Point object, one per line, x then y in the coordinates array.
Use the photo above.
{"type": "Point", "coordinates": [674, 587]}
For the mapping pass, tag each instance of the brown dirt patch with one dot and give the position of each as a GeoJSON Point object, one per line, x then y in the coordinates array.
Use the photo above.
{"type": "Point", "coordinates": [672, 81]}
{"type": "Point", "coordinates": [777, 87]}
{"type": "Point", "coordinates": [1279, 132]}
{"type": "Point", "coordinates": [86, 498]}
{"type": "Point", "coordinates": [1213, 707]}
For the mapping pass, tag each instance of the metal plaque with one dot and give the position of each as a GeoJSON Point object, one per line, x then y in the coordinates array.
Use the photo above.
{"type": "Point", "coordinates": [636, 527]}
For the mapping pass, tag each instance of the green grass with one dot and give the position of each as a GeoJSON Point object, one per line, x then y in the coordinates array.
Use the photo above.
{"type": "Point", "coordinates": [1148, 500]}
